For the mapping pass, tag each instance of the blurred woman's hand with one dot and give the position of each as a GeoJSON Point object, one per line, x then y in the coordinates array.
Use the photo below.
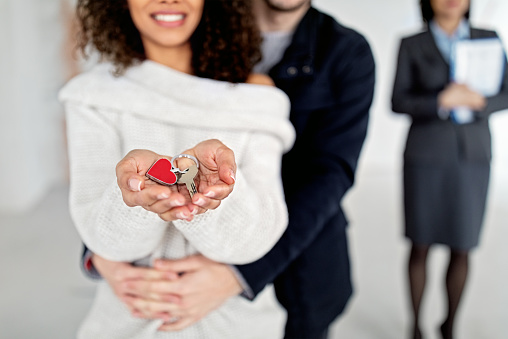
{"type": "Point", "coordinates": [459, 95]}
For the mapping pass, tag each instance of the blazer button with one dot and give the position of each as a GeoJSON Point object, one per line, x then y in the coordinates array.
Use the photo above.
{"type": "Point", "coordinates": [306, 69]}
{"type": "Point", "coordinates": [292, 70]}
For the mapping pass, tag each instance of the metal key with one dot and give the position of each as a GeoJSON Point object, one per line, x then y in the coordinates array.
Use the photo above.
{"type": "Point", "coordinates": [187, 177]}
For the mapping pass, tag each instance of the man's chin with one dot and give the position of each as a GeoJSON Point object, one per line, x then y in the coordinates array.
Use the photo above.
{"type": "Point", "coordinates": [286, 5]}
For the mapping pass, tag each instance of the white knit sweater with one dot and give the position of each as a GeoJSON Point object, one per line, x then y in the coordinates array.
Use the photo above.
{"type": "Point", "coordinates": [157, 108]}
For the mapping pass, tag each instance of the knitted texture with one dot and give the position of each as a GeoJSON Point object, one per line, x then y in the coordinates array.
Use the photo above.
{"type": "Point", "coordinates": [157, 108]}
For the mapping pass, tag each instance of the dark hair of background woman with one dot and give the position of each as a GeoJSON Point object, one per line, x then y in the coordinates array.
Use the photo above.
{"type": "Point", "coordinates": [428, 12]}
{"type": "Point", "coordinates": [225, 45]}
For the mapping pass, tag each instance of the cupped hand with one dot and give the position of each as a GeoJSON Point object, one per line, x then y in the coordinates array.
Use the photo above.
{"type": "Point", "coordinates": [137, 190]}
{"type": "Point", "coordinates": [216, 176]}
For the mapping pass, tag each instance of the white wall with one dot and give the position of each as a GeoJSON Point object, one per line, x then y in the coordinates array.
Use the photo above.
{"type": "Point", "coordinates": [31, 124]}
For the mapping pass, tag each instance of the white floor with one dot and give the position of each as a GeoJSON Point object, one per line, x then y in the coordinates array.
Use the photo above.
{"type": "Point", "coordinates": [44, 295]}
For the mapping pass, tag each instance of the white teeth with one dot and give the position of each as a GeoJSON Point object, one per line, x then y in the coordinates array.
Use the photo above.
{"type": "Point", "coordinates": [168, 17]}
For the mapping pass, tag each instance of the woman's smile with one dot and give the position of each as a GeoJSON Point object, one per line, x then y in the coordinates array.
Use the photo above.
{"type": "Point", "coordinates": [169, 19]}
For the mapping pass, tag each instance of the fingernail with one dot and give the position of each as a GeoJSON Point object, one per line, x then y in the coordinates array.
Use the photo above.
{"type": "Point", "coordinates": [232, 175]}
{"type": "Point", "coordinates": [162, 196]}
{"type": "Point", "coordinates": [135, 185]}
{"type": "Point", "coordinates": [209, 194]}
{"type": "Point", "coordinates": [194, 211]}
{"type": "Point", "coordinates": [179, 202]}
{"type": "Point", "coordinates": [182, 215]}
{"type": "Point", "coordinates": [199, 202]}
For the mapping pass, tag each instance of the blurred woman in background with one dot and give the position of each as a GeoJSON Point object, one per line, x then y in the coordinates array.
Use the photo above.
{"type": "Point", "coordinates": [447, 157]}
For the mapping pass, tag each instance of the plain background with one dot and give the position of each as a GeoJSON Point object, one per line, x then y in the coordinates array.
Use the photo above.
{"type": "Point", "coordinates": [44, 295]}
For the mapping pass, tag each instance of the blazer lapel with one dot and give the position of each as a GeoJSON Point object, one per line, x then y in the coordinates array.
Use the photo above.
{"type": "Point", "coordinates": [431, 43]}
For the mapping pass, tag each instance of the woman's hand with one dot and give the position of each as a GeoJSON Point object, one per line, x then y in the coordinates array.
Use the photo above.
{"type": "Point", "coordinates": [459, 95]}
{"type": "Point", "coordinates": [216, 175]}
{"type": "Point", "coordinates": [215, 181]}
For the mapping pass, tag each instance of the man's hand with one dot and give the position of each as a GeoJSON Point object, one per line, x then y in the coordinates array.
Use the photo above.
{"type": "Point", "coordinates": [186, 289]}
{"type": "Point", "coordinates": [120, 276]}
{"type": "Point", "coordinates": [215, 181]}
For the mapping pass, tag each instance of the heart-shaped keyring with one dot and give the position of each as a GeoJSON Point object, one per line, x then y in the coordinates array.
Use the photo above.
{"type": "Point", "coordinates": [162, 172]}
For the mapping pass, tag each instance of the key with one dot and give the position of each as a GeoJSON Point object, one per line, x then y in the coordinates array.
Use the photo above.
{"type": "Point", "coordinates": [187, 177]}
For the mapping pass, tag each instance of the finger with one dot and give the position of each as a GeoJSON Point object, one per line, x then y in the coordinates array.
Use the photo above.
{"type": "Point", "coordinates": [164, 316]}
{"type": "Point", "coordinates": [218, 192]}
{"type": "Point", "coordinates": [226, 165]}
{"type": "Point", "coordinates": [186, 264]}
{"type": "Point", "coordinates": [178, 325]}
{"type": "Point", "coordinates": [149, 308]}
{"type": "Point", "coordinates": [125, 169]}
{"type": "Point", "coordinates": [204, 203]}
{"type": "Point", "coordinates": [129, 272]}
{"type": "Point", "coordinates": [135, 163]}
{"type": "Point", "coordinates": [166, 204]}
{"type": "Point", "coordinates": [177, 213]}
{"type": "Point", "coordinates": [159, 290]}
{"type": "Point", "coordinates": [151, 194]}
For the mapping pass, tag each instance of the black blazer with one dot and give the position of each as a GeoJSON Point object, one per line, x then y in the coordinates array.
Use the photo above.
{"type": "Point", "coordinates": [422, 73]}
{"type": "Point", "coordinates": [328, 74]}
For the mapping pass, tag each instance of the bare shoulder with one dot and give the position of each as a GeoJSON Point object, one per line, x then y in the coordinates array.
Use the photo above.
{"type": "Point", "coordinates": [260, 79]}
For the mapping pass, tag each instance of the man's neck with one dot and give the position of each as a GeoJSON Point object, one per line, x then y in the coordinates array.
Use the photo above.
{"type": "Point", "coordinates": [270, 20]}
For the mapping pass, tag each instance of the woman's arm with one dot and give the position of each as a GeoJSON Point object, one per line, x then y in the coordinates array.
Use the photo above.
{"type": "Point", "coordinates": [405, 99]}
{"type": "Point", "coordinates": [106, 225]}
{"type": "Point", "coordinates": [254, 216]}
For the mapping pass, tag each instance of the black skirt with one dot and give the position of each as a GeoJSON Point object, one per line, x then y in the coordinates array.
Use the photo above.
{"type": "Point", "coordinates": [445, 205]}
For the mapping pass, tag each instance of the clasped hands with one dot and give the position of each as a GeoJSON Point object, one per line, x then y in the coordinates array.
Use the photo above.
{"type": "Point", "coordinates": [180, 292]}
{"type": "Point", "coordinates": [456, 95]}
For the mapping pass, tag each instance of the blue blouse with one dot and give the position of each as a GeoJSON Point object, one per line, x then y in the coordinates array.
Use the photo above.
{"type": "Point", "coordinates": [444, 41]}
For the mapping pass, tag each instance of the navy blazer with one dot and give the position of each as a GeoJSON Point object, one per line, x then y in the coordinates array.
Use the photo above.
{"type": "Point", "coordinates": [328, 73]}
{"type": "Point", "coordinates": [422, 73]}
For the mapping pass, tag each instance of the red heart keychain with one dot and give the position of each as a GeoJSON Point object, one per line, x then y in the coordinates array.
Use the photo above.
{"type": "Point", "coordinates": [162, 172]}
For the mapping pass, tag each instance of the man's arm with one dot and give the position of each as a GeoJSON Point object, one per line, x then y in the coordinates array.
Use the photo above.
{"type": "Point", "coordinates": [333, 152]}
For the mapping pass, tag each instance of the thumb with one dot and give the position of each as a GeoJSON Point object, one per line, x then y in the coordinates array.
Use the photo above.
{"type": "Point", "coordinates": [136, 183]}
{"type": "Point", "coordinates": [226, 165]}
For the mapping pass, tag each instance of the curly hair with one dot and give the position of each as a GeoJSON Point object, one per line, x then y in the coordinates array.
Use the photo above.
{"type": "Point", "coordinates": [225, 45]}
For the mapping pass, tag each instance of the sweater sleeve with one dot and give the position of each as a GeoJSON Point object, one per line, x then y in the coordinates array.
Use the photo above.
{"type": "Point", "coordinates": [251, 220]}
{"type": "Point", "coordinates": [105, 223]}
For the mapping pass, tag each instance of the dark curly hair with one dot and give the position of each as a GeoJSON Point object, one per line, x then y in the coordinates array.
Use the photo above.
{"type": "Point", "coordinates": [225, 45]}
{"type": "Point", "coordinates": [428, 12]}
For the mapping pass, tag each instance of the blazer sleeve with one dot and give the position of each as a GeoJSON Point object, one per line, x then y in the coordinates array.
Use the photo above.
{"type": "Point", "coordinates": [406, 98]}
{"type": "Point", "coordinates": [336, 142]}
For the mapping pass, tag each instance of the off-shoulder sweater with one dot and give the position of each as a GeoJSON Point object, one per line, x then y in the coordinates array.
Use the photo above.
{"type": "Point", "coordinates": [157, 108]}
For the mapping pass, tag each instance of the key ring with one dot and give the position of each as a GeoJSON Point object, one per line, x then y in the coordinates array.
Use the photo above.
{"type": "Point", "coordinates": [183, 155]}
